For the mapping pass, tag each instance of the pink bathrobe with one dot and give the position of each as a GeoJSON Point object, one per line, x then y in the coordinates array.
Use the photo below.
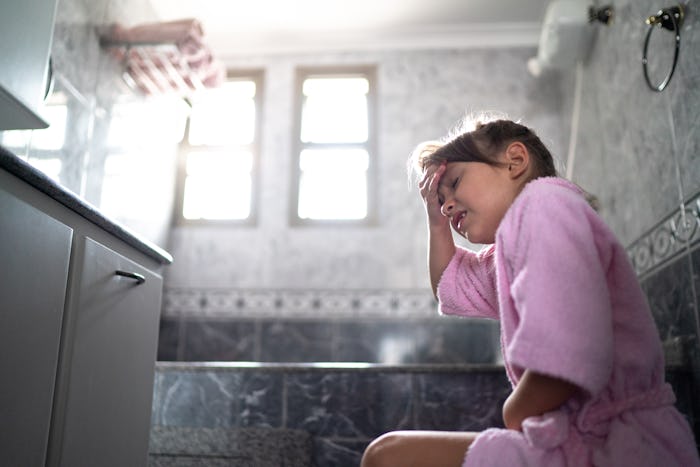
{"type": "Point", "coordinates": [570, 306]}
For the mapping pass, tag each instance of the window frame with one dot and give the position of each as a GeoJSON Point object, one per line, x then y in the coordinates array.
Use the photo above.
{"type": "Point", "coordinates": [258, 77]}
{"type": "Point", "coordinates": [30, 152]}
{"type": "Point", "coordinates": [302, 73]}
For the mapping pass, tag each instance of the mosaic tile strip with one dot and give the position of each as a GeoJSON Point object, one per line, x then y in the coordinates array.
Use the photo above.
{"type": "Point", "coordinates": [668, 238]}
{"type": "Point", "coordinates": [302, 304]}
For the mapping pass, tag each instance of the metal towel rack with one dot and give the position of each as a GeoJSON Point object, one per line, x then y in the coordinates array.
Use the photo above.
{"type": "Point", "coordinates": [163, 57]}
{"type": "Point", "coordinates": [670, 19]}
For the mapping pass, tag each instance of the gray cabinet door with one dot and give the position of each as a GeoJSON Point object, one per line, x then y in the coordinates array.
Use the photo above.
{"type": "Point", "coordinates": [34, 258]}
{"type": "Point", "coordinates": [111, 362]}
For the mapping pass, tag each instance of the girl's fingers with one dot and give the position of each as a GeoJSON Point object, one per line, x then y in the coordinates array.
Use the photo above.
{"type": "Point", "coordinates": [433, 181]}
{"type": "Point", "coordinates": [426, 177]}
{"type": "Point", "coordinates": [431, 173]}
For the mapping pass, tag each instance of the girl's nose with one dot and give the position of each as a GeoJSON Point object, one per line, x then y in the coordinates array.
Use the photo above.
{"type": "Point", "coordinates": [447, 208]}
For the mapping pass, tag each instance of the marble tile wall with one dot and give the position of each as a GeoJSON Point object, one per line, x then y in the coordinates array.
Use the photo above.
{"type": "Point", "coordinates": [637, 151]}
{"type": "Point", "coordinates": [342, 409]}
{"type": "Point", "coordinates": [339, 408]}
{"type": "Point", "coordinates": [673, 292]}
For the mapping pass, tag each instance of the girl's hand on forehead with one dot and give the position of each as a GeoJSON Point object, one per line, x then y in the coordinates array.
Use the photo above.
{"type": "Point", "coordinates": [428, 187]}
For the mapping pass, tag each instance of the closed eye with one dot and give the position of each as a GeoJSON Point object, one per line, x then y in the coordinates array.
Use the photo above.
{"type": "Point", "coordinates": [454, 184]}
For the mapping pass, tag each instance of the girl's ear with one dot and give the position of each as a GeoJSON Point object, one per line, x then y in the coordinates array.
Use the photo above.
{"type": "Point", "coordinates": [518, 159]}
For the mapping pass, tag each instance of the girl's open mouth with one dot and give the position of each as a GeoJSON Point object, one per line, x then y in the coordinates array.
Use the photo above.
{"type": "Point", "coordinates": [458, 220]}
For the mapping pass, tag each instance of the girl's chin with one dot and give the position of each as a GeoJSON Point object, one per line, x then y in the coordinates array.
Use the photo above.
{"type": "Point", "coordinates": [476, 238]}
{"type": "Point", "coordinates": [472, 235]}
{"type": "Point", "coordinates": [465, 235]}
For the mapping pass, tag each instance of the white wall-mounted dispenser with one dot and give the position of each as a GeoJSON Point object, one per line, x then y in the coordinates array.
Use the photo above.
{"type": "Point", "coordinates": [566, 37]}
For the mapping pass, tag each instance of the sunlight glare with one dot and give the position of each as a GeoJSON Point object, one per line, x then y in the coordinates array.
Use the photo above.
{"type": "Point", "coordinates": [224, 115]}
{"type": "Point", "coordinates": [333, 184]}
{"type": "Point", "coordinates": [335, 110]}
{"type": "Point", "coordinates": [218, 185]}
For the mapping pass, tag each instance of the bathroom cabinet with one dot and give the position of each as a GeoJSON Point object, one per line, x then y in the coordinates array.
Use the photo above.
{"type": "Point", "coordinates": [79, 315]}
{"type": "Point", "coordinates": [34, 258]}
{"type": "Point", "coordinates": [105, 388]}
{"type": "Point", "coordinates": [26, 32]}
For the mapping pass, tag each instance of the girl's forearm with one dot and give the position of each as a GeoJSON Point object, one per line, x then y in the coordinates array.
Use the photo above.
{"type": "Point", "coordinates": [441, 249]}
{"type": "Point", "coordinates": [535, 395]}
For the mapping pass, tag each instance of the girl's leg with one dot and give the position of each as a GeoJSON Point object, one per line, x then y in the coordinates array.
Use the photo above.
{"type": "Point", "coordinates": [418, 449]}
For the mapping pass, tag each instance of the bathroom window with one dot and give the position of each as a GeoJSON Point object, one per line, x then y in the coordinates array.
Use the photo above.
{"type": "Point", "coordinates": [219, 152]}
{"type": "Point", "coordinates": [335, 152]}
{"type": "Point", "coordinates": [43, 148]}
{"type": "Point", "coordinates": [142, 138]}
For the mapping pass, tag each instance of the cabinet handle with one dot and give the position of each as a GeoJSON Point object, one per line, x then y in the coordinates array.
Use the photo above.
{"type": "Point", "coordinates": [132, 275]}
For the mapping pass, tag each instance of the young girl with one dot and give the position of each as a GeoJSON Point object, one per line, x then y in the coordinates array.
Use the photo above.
{"type": "Point", "coordinates": [579, 344]}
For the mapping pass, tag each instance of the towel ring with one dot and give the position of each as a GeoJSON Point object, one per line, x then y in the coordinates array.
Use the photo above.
{"type": "Point", "coordinates": [671, 19]}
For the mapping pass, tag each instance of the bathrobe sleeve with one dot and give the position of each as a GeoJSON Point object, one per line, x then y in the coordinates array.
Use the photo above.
{"type": "Point", "coordinates": [559, 290]}
{"type": "Point", "coordinates": [467, 287]}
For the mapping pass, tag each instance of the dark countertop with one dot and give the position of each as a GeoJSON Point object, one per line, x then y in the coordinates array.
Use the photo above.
{"type": "Point", "coordinates": [21, 169]}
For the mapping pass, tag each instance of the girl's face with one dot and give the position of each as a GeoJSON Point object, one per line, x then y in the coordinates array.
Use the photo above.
{"type": "Point", "coordinates": [475, 196]}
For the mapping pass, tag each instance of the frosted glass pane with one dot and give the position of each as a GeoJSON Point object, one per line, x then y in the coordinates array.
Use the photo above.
{"type": "Point", "coordinates": [333, 196]}
{"type": "Point", "coordinates": [16, 138]}
{"type": "Point", "coordinates": [217, 162]}
{"type": "Point", "coordinates": [334, 160]}
{"type": "Point", "coordinates": [224, 115]}
{"type": "Point", "coordinates": [335, 110]}
{"type": "Point", "coordinates": [217, 198]}
{"type": "Point", "coordinates": [53, 137]}
{"type": "Point", "coordinates": [333, 184]}
{"type": "Point", "coordinates": [218, 185]}
{"type": "Point", "coordinates": [134, 184]}
{"type": "Point", "coordinates": [157, 122]}
{"type": "Point", "coordinates": [118, 164]}
{"type": "Point", "coordinates": [319, 86]}
{"type": "Point", "coordinates": [123, 187]}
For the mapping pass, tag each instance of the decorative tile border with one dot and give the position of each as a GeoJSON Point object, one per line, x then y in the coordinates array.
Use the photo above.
{"type": "Point", "coordinates": [668, 238]}
{"type": "Point", "coordinates": [302, 304]}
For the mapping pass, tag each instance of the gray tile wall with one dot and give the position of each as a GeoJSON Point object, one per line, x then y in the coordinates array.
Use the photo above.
{"type": "Point", "coordinates": [637, 150]}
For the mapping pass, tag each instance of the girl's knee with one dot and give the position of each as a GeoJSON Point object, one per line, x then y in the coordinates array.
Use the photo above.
{"type": "Point", "coordinates": [382, 451]}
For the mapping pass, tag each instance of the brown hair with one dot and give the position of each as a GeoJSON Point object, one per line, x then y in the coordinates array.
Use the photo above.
{"type": "Point", "coordinates": [484, 144]}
